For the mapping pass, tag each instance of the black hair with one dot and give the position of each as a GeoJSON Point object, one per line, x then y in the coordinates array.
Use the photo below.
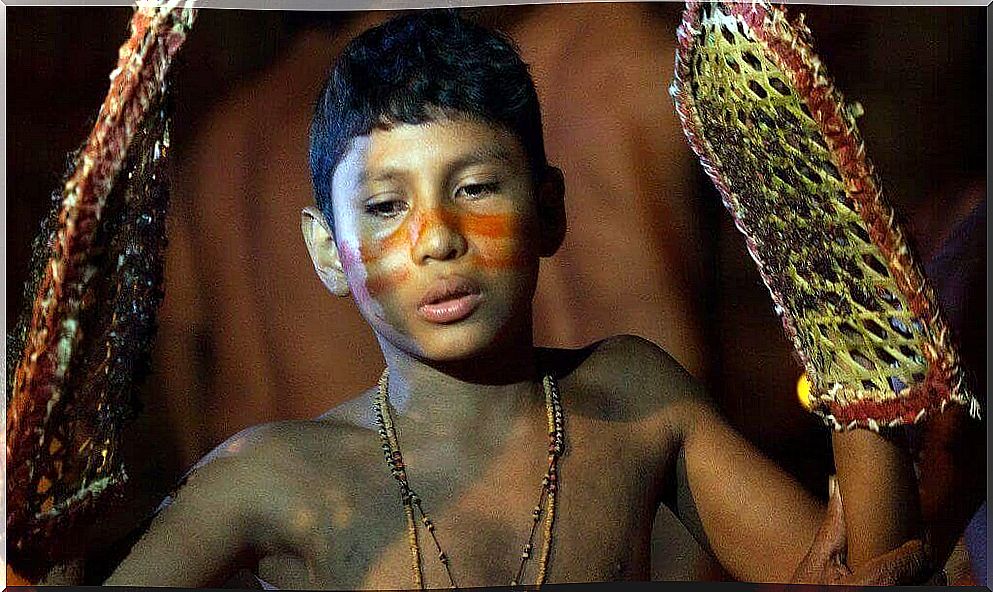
{"type": "Point", "coordinates": [412, 69]}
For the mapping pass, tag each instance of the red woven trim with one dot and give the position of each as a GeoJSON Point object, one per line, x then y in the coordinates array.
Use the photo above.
{"type": "Point", "coordinates": [915, 405]}
{"type": "Point", "coordinates": [142, 63]}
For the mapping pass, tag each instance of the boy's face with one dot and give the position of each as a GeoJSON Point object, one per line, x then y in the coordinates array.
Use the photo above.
{"type": "Point", "coordinates": [437, 232]}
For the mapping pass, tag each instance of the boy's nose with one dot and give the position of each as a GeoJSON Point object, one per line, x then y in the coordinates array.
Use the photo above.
{"type": "Point", "coordinates": [436, 235]}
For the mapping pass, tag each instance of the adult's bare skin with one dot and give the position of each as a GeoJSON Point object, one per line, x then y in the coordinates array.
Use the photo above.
{"type": "Point", "coordinates": [311, 505]}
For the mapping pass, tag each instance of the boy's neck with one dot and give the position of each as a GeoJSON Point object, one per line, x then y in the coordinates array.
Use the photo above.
{"type": "Point", "coordinates": [448, 398]}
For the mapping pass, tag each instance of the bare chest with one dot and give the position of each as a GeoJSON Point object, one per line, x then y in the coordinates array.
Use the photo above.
{"type": "Point", "coordinates": [603, 513]}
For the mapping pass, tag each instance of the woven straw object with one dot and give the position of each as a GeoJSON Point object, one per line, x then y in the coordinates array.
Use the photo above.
{"type": "Point", "coordinates": [83, 342]}
{"type": "Point", "coordinates": [781, 145]}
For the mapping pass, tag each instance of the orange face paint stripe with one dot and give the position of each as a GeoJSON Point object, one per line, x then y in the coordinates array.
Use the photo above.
{"type": "Point", "coordinates": [502, 261]}
{"type": "Point", "coordinates": [490, 225]}
{"type": "Point", "coordinates": [379, 283]}
{"type": "Point", "coordinates": [371, 254]}
{"type": "Point", "coordinates": [493, 226]}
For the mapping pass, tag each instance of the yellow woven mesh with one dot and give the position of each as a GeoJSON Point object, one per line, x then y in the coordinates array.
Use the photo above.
{"type": "Point", "coordinates": [850, 318]}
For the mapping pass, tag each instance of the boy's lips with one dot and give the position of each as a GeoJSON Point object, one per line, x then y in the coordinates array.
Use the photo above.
{"type": "Point", "coordinates": [449, 299]}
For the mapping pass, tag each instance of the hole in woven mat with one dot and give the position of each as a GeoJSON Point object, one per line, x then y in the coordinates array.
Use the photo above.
{"type": "Point", "coordinates": [864, 299]}
{"type": "Point", "coordinates": [766, 121]}
{"type": "Point", "coordinates": [838, 235]}
{"type": "Point", "coordinates": [741, 29]}
{"type": "Point", "coordinates": [787, 116]}
{"type": "Point", "coordinates": [823, 267]}
{"type": "Point", "coordinates": [859, 232]}
{"type": "Point", "coordinates": [869, 385]}
{"type": "Point", "coordinates": [900, 328]}
{"type": "Point", "coordinates": [851, 268]}
{"type": "Point", "coordinates": [817, 139]}
{"type": "Point", "coordinates": [784, 174]}
{"type": "Point", "coordinates": [757, 89]}
{"type": "Point", "coordinates": [875, 328]}
{"type": "Point", "coordinates": [918, 377]}
{"type": "Point", "coordinates": [889, 297]}
{"type": "Point", "coordinates": [834, 299]}
{"type": "Point", "coordinates": [884, 356]}
{"type": "Point", "coordinates": [875, 264]}
{"type": "Point", "coordinates": [831, 170]}
{"type": "Point", "coordinates": [732, 64]}
{"type": "Point", "coordinates": [806, 110]}
{"type": "Point", "coordinates": [742, 117]}
{"type": "Point", "coordinates": [908, 352]}
{"type": "Point", "coordinates": [810, 174]}
{"type": "Point", "coordinates": [780, 86]}
{"type": "Point", "coordinates": [849, 330]}
{"type": "Point", "coordinates": [727, 34]}
{"type": "Point", "coordinates": [917, 324]}
{"type": "Point", "coordinates": [751, 60]}
{"type": "Point", "coordinates": [842, 198]}
{"type": "Point", "coordinates": [897, 384]}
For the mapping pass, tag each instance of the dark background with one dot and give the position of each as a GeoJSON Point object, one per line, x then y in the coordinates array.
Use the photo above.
{"type": "Point", "coordinates": [247, 334]}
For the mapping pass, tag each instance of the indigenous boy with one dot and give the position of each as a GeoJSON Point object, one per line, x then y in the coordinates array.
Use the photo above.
{"type": "Point", "coordinates": [436, 203]}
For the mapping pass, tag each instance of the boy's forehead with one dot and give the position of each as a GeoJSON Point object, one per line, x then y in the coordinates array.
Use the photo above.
{"type": "Point", "coordinates": [430, 147]}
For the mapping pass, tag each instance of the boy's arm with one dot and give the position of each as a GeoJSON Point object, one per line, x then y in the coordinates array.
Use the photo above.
{"type": "Point", "coordinates": [754, 517]}
{"type": "Point", "coordinates": [238, 504]}
{"type": "Point", "coordinates": [876, 479]}
{"type": "Point", "coordinates": [760, 522]}
{"type": "Point", "coordinates": [198, 539]}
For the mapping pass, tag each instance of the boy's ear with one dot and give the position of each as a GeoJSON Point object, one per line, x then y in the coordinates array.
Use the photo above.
{"type": "Point", "coordinates": [323, 251]}
{"type": "Point", "coordinates": [551, 211]}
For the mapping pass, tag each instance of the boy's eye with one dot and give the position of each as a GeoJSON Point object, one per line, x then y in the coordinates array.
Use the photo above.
{"type": "Point", "coordinates": [478, 190]}
{"type": "Point", "coordinates": [386, 209]}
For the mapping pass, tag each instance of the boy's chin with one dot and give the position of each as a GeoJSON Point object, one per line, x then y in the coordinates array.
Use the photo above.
{"type": "Point", "coordinates": [454, 343]}
{"type": "Point", "coordinates": [457, 345]}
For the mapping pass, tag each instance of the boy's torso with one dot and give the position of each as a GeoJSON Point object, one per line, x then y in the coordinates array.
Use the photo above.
{"type": "Point", "coordinates": [332, 515]}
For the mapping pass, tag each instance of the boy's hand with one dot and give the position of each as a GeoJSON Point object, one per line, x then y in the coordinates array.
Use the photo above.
{"type": "Point", "coordinates": [824, 563]}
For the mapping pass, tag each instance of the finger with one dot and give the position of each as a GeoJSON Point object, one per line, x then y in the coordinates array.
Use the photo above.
{"type": "Point", "coordinates": [831, 538]}
{"type": "Point", "coordinates": [903, 566]}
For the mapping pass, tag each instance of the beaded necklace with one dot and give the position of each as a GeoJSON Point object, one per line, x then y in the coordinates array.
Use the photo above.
{"type": "Point", "coordinates": [410, 499]}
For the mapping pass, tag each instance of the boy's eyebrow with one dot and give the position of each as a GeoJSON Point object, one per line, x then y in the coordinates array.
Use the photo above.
{"type": "Point", "coordinates": [388, 174]}
{"type": "Point", "coordinates": [480, 155]}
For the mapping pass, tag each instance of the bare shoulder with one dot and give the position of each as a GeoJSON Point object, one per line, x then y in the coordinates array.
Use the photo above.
{"type": "Point", "coordinates": [631, 378]}
{"type": "Point", "coordinates": [283, 455]}
{"type": "Point", "coordinates": [253, 449]}
{"type": "Point", "coordinates": [214, 504]}
{"type": "Point", "coordinates": [252, 494]}
{"type": "Point", "coordinates": [239, 478]}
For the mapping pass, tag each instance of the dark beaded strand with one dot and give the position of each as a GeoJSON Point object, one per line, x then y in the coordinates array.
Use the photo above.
{"type": "Point", "coordinates": [410, 500]}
